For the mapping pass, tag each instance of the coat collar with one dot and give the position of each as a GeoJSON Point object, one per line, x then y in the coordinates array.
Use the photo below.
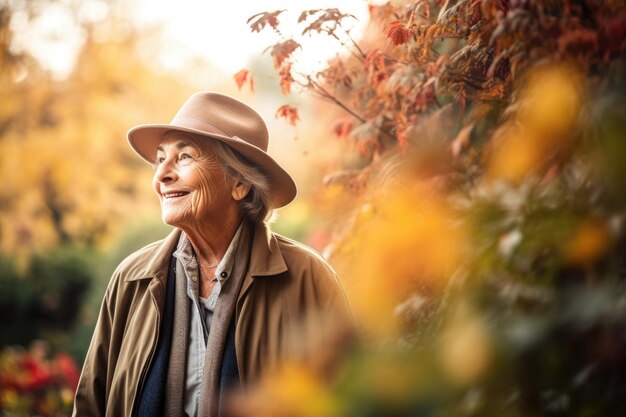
{"type": "Point", "coordinates": [266, 259]}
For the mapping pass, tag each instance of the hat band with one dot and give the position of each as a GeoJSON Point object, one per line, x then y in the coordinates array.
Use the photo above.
{"type": "Point", "coordinates": [190, 123]}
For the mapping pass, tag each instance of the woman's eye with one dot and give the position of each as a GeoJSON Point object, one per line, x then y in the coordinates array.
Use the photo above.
{"type": "Point", "coordinates": [184, 156]}
{"type": "Point", "coordinates": [160, 159]}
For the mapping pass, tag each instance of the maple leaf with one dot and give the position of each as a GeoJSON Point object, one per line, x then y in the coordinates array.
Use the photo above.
{"type": "Point", "coordinates": [285, 78]}
{"type": "Point", "coordinates": [289, 113]}
{"type": "Point", "coordinates": [242, 77]}
{"type": "Point", "coordinates": [263, 19]}
{"type": "Point", "coordinates": [282, 51]}
{"type": "Point", "coordinates": [399, 32]}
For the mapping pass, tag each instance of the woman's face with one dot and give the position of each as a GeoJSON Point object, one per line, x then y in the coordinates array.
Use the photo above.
{"type": "Point", "coordinates": [190, 182]}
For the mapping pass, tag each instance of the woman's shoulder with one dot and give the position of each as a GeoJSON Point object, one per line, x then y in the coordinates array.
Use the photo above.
{"type": "Point", "coordinates": [299, 255]}
{"type": "Point", "coordinates": [292, 249]}
{"type": "Point", "coordinates": [312, 274]}
{"type": "Point", "coordinates": [148, 259]}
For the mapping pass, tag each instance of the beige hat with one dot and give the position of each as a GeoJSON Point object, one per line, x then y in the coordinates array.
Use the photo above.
{"type": "Point", "coordinates": [228, 120]}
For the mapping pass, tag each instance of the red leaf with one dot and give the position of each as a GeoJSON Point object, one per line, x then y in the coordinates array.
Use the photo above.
{"type": "Point", "coordinates": [242, 77]}
{"type": "Point", "coordinates": [288, 112]}
{"type": "Point", "coordinates": [399, 33]}
{"type": "Point", "coordinates": [264, 19]}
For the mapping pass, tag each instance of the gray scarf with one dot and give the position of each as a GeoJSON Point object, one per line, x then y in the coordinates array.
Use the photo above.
{"type": "Point", "coordinates": [210, 388]}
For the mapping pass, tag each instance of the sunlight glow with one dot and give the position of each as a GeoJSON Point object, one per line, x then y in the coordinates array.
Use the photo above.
{"type": "Point", "coordinates": [221, 35]}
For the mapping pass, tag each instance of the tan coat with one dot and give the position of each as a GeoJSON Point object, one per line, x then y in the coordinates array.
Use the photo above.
{"type": "Point", "coordinates": [284, 280]}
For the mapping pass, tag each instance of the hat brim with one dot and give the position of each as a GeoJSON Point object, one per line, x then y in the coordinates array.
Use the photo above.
{"type": "Point", "coordinates": [144, 139]}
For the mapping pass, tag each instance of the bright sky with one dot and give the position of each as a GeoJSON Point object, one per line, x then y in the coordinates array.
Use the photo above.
{"type": "Point", "coordinates": [218, 30]}
{"type": "Point", "coordinates": [212, 30]}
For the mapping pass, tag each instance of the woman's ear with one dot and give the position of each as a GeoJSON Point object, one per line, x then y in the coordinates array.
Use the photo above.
{"type": "Point", "coordinates": [240, 190]}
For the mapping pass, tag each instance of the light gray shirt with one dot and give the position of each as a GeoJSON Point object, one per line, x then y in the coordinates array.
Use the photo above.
{"type": "Point", "coordinates": [201, 314]}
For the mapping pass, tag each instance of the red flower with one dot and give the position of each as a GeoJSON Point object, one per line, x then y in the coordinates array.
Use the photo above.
{"type": "Point", "coordinates": [38, 375]}
{"type": "Point", "coordinates": [66, 367]}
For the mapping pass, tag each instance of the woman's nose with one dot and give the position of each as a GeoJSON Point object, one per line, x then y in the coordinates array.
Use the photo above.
{"type": "Point", "coordinates": [165, 172]}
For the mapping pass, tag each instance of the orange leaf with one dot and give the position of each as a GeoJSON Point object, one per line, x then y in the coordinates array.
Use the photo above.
{"type": "Point", "coordinates": [288, 112]}
{"type": "Point", "coordinates": [285, 78]}
{"type": "Point", "coordinates": [242, 77]}
{"type": "Point", "coordinates": [283, 50]}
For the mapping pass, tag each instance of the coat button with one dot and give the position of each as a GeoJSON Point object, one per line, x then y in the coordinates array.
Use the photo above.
{"type": "Point", "coordinates": [224, 274]}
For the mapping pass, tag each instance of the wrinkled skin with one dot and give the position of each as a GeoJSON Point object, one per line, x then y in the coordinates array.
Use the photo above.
{"type": "Point", "coordinates": [196, 196]}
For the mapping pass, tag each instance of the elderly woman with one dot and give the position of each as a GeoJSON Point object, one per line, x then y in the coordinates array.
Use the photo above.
{"type": "Point", "coordinates": [216, 304]}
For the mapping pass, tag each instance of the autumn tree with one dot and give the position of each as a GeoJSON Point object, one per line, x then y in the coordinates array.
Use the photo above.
{"type": "Point", "coordinates": [70, 174]}
{"type": "Point", "coordinates": [483, 248]}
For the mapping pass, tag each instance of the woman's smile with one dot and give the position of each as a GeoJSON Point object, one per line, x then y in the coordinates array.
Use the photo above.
{"type": "Point", "coordinates": [175, 194]}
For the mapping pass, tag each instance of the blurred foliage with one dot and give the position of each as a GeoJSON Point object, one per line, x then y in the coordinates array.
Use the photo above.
{"type": "Point", "coordinates": [70, 174]}
{"type": "Point", "coordinates": [44, 300]}
{"type": "Point", "coordinates": [34, 384]}
{"type": "Point", "coordinates": [481, 229]}
{"type": "Point", "coordinates": [71, 181]}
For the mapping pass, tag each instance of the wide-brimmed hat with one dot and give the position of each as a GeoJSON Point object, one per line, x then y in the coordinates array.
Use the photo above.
{"type": "Point", "coordinates": [220, 117]}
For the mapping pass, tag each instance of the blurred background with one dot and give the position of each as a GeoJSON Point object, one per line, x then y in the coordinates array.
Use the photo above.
{"type": "Point", "coordinates": [460, 163]}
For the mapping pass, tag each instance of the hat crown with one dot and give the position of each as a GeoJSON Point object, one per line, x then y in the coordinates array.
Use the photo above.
{"type": "Point", "coordinates": [218, 117]}
{"type": "Point", "coordinates": [223, 115]}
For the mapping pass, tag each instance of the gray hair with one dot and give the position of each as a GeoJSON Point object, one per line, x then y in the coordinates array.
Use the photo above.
{"type": "Point", "coordinates": [256, 205]}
